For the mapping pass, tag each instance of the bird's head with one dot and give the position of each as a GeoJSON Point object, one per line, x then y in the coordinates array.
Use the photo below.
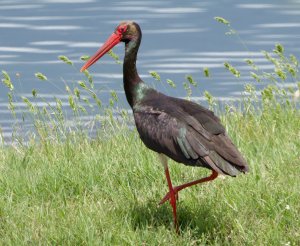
{"type": "Point", "coordinates": [124, 32]}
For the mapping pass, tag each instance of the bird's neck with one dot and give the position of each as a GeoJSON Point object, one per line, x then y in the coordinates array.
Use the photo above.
{"type": "Point", "coordinates": [131, 79]}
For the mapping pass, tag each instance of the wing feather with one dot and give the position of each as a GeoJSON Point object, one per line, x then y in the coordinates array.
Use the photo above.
{"type": "Point", "coordinates": [187, 133]}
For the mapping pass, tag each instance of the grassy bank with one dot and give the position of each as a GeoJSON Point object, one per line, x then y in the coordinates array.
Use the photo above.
{"type": "Point", "coordinates": [63, 188]}
{"type": "Point", "coordinates": [106, 191]}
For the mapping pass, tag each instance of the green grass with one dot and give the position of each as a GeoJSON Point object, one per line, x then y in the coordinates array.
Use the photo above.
{"type": "Point", "coordinates": [105, 191]}
{"type": "Point", "coordinates": [62, 188]}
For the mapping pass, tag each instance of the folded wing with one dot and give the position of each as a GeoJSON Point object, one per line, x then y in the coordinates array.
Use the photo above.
{"type": "Point", "coordinates": [188, 133]}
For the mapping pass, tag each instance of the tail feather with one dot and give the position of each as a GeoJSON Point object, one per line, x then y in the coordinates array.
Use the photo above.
{"type": "Point", "coordinates": [225, 166]}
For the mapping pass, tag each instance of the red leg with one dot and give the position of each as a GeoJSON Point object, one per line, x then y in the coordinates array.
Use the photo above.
{"type": "Point", "coordinates": [172, 196]}
{"type": "Point", "coordinates": [183, 186]}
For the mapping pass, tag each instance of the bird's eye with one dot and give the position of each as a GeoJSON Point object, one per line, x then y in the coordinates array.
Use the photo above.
{"type": "Point", "coordinates": [122, 29]}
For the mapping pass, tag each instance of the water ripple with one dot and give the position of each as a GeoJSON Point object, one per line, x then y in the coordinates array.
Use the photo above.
{"type": "Point", "coordinates": [67, 44]}
{"type": "Point", "coordinates": [29, 50]}
{"type": "Point", "coordinates": [20, 6]}
{"type": "Point", "coordinates": [175, 30]}
{"type": "Point", "coordinates": [47, 28]}
{"type": "Point", "coordinates": [257, 6]}
{"type": "Point", "coordinates": [68, 1]}
{"type": "Point", "coordinates": [278, 25]}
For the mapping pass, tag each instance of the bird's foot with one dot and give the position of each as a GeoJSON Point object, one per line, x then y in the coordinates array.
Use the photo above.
{"type": "Point", "coordinates": [172, 195]}
{"type": "Point", "coordinates": [169, 195]}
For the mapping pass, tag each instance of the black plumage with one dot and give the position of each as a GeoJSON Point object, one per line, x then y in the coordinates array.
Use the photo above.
{"type": "Point", "coordinates": [182, 130]}
{"type": "Point", "coordinates": [186, 132]}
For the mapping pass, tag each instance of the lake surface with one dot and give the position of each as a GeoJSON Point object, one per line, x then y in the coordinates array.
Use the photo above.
{"type": "Point", "coordinates": [179, 38]}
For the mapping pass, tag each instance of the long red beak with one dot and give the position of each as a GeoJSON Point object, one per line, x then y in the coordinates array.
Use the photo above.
{"type": "Point", "coordinates": [112, 41]}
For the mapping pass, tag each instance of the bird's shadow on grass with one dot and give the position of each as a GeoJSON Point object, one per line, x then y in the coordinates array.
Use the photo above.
{"type": "Point", "coordinates": [199, 220]}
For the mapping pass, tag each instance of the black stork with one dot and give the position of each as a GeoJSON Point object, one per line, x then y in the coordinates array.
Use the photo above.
{"type": "Point", "coordinates": [176, 128]}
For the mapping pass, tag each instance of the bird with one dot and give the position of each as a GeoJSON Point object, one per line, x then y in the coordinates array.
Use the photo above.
{"type": "Point", "coordinates": [175, 128]}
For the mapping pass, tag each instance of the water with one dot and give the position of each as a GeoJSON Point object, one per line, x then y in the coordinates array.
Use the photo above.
{"type": "Point", "coordinates": [179, 38]}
